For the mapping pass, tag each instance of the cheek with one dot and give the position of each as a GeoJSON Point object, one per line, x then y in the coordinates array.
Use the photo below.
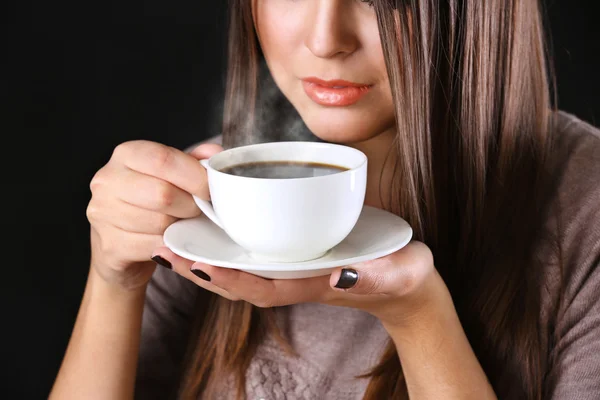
{"type": "Point", "coordinates": [279, 31]}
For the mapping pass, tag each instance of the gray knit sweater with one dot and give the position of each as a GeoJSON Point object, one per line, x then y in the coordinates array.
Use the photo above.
{"type": "Point", "coordinates": [337, 344]}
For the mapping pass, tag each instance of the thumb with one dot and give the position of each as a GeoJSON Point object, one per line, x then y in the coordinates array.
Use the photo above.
{"type": "Point", "coordinates": [372, 277]}
{"type": "Point", "coordinates": [398, 274]}
{"type": "Point", "coordinates": [205, 151]}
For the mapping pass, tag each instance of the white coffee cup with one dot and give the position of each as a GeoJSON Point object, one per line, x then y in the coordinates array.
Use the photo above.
{"type": "Point", "coordinates": [286, 220]}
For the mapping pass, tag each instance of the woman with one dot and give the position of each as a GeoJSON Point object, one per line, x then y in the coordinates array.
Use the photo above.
{"type": "Point", "coordinates": [495, 298]}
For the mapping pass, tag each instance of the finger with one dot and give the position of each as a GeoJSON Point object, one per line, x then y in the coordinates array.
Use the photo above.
{"type": "Point", "coordinates": [205, 151]}
{"type": "Point", "coordinates": [266, 293]}
{"type": "Point", "coordinates": [118, 244]}
{"type": "Point", "coordinates": [154, 194]}
{"type": "Point", "coordinates": [397, 274]}
{"type": "Point", "coordinates": [182, 266]}
{"type": "Point", "coordinates": [166, 163]}
{"type": "Point", "coordinates": [131, 218]}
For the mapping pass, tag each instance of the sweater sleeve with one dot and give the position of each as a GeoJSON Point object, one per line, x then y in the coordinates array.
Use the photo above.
{"type": "Point", "coordinates": [575, 356]}
{"type": "Point", "coordinates": [574, 359]}
{"type": "Point", "coordinates": [166, 324]}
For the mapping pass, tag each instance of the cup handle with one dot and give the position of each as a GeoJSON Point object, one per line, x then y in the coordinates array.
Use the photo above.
{"type": "Point", "coordinates": [206, 206]}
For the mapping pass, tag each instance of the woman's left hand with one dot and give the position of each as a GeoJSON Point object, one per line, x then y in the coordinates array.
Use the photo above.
{"type": "Point", "coordinates": [395, 288]}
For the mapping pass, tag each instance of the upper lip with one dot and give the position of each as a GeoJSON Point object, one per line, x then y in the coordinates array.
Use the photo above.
{"type": "Point", "coordinates": [333, 82]}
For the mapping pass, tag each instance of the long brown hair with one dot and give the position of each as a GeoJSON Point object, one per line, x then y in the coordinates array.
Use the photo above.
{"type": "Point", "coordinates": [473, 109]}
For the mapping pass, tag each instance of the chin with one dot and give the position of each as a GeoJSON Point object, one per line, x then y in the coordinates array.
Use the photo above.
{"type": "Point", "coordinates": [345, 126]}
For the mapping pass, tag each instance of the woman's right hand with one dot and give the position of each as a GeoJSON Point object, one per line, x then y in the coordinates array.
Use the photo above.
{"type": "Point", "coordinates": [144, 188]}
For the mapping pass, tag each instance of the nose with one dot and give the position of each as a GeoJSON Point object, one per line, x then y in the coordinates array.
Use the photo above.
{"type": "Point", "coordinates": [331, 32]}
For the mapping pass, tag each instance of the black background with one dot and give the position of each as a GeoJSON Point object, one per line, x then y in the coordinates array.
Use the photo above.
{"type": "Point", "coordinates": [81, 78]}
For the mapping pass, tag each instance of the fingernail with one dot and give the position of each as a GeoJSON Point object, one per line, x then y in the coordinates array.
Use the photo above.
{"type": "Point", "coordinates": [201, 274]}
{"type": "Point", "coordinates": [162, 262]}
{"type": "Point", "coordinates": [348, 279]}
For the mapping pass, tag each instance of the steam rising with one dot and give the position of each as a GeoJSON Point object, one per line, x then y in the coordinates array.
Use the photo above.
{"type": "Point", "coordinates": [275, 119]}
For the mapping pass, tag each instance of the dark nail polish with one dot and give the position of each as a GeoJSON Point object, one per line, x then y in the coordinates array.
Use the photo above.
{"type": "Point", "coordinates": [348, 279]}
{"type": "Point", "coordinates": [201, 274]}
{"type": "Point", "coordinates": [162, 262]}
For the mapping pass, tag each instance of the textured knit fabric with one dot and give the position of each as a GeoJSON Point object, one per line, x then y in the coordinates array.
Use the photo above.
{"type": "Point", "coordinates": [337, 344]}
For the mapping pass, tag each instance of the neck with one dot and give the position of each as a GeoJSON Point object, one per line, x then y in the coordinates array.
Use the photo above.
{"type": "Point", "coordinates": [380, 169]}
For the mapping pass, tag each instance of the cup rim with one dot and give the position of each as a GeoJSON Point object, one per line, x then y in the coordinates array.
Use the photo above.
{"type": "Point", "coordinates": [362, 163]}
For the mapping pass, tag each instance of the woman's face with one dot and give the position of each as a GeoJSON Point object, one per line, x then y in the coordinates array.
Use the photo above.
{"type": "Point", "coordinates": [326, 57]}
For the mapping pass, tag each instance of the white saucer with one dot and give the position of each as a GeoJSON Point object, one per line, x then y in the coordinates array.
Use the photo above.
{"type": "Point", "coordinates": [376, 234]}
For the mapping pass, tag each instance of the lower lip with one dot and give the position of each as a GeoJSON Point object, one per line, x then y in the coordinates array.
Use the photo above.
{"type": "Point", "coordinates": [334, 97]}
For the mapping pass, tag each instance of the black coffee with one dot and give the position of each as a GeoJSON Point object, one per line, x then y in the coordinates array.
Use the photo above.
{"type": "Point", "coordinates": [282, 169]}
